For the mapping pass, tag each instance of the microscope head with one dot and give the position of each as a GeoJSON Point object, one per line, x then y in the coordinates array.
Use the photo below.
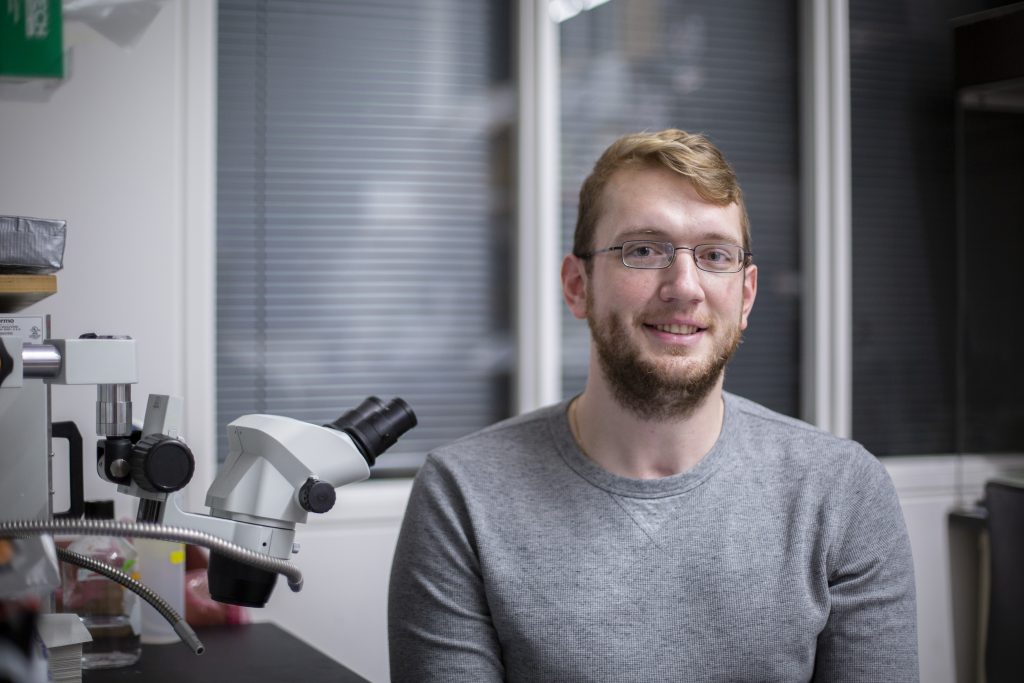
{"type": "Point", "coordinates": [279, 469]}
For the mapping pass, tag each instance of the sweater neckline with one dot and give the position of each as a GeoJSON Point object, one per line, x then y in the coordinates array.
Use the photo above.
{"type": "Point", "coordinates": [558, 422]}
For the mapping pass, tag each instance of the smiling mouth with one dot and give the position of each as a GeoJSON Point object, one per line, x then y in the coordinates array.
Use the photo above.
{"type": "Point", "coordinates": [677, 329]}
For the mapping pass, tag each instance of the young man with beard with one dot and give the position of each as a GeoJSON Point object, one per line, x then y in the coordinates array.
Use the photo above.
{"type": "Point", "coordinates": [655, 528]}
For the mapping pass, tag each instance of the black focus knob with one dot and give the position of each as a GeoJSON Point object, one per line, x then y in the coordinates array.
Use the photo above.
{"type": "Point", "coordinates": [316, 495]}
{"type": "Point", "coordinates": [162, 464]}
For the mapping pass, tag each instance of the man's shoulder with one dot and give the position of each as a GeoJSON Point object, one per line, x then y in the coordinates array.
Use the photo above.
{"type": "Point", "coordinates": [753, 415]}
{"type": "Point", "coordinates": [513, 428]}
{"type": "Point", "coordinates": [770, 430]}
{"type": "Point", "coordinates": [793, 453]}
{"type": "Point", "coordinates": [518, 435]}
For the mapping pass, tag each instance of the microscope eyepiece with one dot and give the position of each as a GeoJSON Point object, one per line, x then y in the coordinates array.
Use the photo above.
{"type": "Point", "coordinates": [375, 425]}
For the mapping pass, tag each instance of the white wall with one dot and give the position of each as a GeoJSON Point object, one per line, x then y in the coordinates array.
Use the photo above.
{"type": "Point", "coordinates": [113, 151]}
{"type": "Point", "coordinates": [124, 151]}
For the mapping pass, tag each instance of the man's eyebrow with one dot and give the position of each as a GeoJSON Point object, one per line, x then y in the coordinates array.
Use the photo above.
{"type": "Point", "coordinates": [718, 238]}
{"type": "Point", "coordinates": [650, 233]}
{"type": "Point", "coordinates": [643, 233]}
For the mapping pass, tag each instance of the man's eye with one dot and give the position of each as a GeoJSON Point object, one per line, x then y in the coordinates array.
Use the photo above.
{"type": "Point", "coordinates": [643, 250]}
{"type": "Point", "coordinates": [717, 255]}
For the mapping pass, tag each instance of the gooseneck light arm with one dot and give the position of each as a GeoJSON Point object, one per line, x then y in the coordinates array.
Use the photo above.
{"type": "Point", "coordinates": [104, 527]}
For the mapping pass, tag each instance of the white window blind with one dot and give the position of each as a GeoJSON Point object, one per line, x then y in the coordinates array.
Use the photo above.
{"type": "Point", "coordinates": [363, 212]}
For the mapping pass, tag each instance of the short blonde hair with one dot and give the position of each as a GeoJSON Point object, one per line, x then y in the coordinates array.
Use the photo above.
{"type": "Point", "coordinates": [689, 154]}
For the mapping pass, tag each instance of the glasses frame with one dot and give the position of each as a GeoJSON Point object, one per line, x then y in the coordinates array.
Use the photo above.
{"type": "Point", "coordinates": [746, 257]}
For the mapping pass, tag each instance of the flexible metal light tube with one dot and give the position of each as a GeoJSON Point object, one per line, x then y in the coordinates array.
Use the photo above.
{"type": "Point", "coordinates": [106, 527]}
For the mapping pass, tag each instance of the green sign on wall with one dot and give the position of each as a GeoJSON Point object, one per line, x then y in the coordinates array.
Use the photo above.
{"type": "Point", "coordinates": [31, 39]}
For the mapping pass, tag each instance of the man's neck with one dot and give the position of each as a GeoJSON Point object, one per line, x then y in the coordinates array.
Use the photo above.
{"type": "Point", "coordinates": [624, 444]}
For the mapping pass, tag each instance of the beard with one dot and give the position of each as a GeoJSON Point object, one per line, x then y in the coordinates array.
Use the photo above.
{"type": "Point", "coordinates": [650, 389]}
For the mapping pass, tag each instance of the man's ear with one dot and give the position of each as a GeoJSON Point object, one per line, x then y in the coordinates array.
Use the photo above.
{"type": "Point", "coordinates": [574, 285]}
{"type": "Point", "coordinates": [749, 294]}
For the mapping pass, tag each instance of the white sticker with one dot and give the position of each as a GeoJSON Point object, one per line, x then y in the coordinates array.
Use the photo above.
{"type": "Point", "coordinates": [26, 327]}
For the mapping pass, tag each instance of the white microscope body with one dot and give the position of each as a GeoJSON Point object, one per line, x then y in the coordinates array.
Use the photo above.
{"type": "Point", "coordinates": [277, 471]}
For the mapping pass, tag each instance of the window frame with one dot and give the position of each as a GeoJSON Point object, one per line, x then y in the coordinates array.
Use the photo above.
{"type": "Point", "coordinates": [825, 383]}
{"type": "Point", "coordinates": [826, 318]}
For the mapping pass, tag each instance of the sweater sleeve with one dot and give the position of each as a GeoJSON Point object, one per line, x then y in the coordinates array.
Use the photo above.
{"type": "Point", "coordinates": [439, 623]}
{"type": "Point", "coordinates": [871, 633]}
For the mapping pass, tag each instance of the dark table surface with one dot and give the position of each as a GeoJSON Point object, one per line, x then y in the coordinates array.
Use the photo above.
{"type": "Point", "coordinates": [254, 652]}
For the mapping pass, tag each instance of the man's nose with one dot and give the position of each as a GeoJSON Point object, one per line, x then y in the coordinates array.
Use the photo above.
{"type": "Point", "coordinates": [682, 279]}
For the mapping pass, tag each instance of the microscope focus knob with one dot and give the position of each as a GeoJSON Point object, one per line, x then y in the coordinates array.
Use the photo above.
{"type": "Point", "coordinates": [162, 464]}
{"type": "Point", "coordinates": [316, 495]}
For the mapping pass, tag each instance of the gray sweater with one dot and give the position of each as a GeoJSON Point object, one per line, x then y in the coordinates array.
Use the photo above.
{"type": "Point", "coordinates": [782, 556]}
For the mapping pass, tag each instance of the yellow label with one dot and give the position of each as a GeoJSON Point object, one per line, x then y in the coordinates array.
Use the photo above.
{"type": "Point", "coordinates": [177, 556]}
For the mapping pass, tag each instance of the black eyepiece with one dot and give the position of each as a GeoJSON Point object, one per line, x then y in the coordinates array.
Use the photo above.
{"type": "Point", "coordinates": [375, 425]}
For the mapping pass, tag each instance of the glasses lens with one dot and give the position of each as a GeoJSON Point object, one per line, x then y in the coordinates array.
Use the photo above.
{"type": "Point", "coordinates": [644, 254]}
{"type": "Point", "coordinates": [718, 258]}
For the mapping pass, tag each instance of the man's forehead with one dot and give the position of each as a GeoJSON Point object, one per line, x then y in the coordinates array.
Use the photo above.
{"type": "Point", "coordinates": [659, 204]}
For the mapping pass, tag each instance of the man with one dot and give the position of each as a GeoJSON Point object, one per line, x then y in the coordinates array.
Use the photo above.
{"type": "Point", "coordinates": [655, 528]}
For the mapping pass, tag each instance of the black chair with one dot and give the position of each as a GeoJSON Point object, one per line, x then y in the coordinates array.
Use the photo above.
{"type": "Point", "coordinates": [1004, 645]}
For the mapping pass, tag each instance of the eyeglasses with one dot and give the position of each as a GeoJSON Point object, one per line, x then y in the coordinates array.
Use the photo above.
{"type": "Point", "coordinates": [713, 258]}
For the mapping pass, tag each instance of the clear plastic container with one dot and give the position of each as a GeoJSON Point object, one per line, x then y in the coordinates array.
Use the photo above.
{"type": "Point", "coordinates": [162, 565]}
{"type": "Point", "coordinates": [110, 612]}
